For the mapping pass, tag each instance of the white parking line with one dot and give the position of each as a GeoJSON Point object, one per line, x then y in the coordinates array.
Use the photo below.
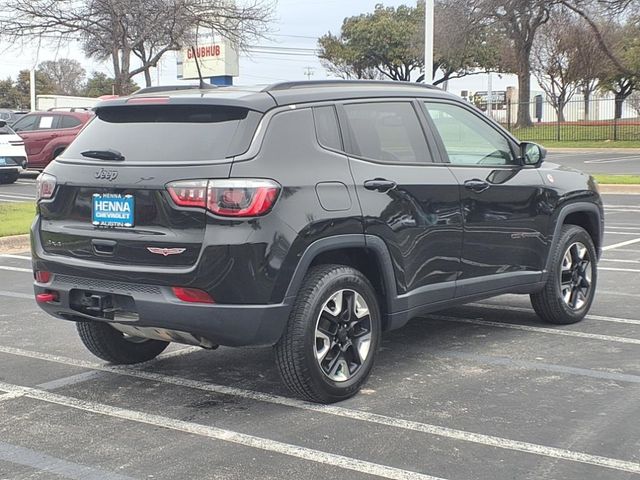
{"type": "Point", "coordinates": [18, 195]}
{"type": "Point", "coordinates": [609, 232]}
{"type": "Point", "coordinates": [611, 269]}
{"type": "Point", "coordinates": [317, 456]}
{"type": "Point", "coordinates": [614, 159]}
{"type": "Point", "coordinates": [16, 269]}
{"type": "Point", "coordinates": [462, 435]}
{"type": "Point", "coordinates": [527, 328]}
{"type": "Point", "coordinates": [10, 396]}
{"type": "Point", "coordinates": [19, 257]}
{"type": "Point", "coordinates": [621, 244]}
{"type": "Point", "coordinates": [11, 201]}
{"type": "Point", "coordinates": [509, 308]}
{"type": "Point", "coordinates": [56, 466]}
{"type": "Point", "coordinates": [616, 260]}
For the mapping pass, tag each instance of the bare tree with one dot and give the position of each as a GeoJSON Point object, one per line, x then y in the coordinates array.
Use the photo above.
{"type": "Point", "coordinates": [520, 20]}
{"type": "Point", "coordinates": [591, 63]}
{"type": "Point", "coordinates": [118, 29]}
{"type": "Point", "coordinates": [553, 63]}
{"type": "Point", "coordinates": [67, 76]}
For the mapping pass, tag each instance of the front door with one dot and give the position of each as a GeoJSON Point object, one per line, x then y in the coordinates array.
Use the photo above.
{"type": "Point", "coordinates": [408, 201]}
{"type": "Point", "coordinates": [503, 203]}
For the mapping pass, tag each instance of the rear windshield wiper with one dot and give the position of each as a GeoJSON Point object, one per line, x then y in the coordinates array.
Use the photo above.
{"type": "Point", "coordinates": [104, 155]}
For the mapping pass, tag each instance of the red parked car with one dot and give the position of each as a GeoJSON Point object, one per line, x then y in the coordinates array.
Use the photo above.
{"type": "Point", "coordinates": [47, 134]}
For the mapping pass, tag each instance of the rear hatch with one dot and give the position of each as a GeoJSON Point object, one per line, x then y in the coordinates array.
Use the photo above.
{"type": "Point", "coordinates": [111, 202]}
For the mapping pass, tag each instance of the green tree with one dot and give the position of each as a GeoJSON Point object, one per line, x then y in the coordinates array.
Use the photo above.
{"type": "Point", "coordinates": [622, 80]}
{"type": "Point", "coordinates": [44, 86]}
{"type": "Point", "coordinates": [99, 84]}
{"type": "Point", "coordinates": [8, 94]}
{"type": "Point", "coordinates": [389, 43]}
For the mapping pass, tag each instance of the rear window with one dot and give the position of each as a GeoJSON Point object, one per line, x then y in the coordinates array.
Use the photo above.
{"type": "Point", "coordinates": [168, 133]}
{"type": "Point", "coordinates": [69, 122]}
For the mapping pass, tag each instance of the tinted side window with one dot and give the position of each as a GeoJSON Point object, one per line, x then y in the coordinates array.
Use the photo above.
{"type": "Point", "coordinates": [387, 131]}
{"type": "Point", "coordinates": [68, 122]}
{"type": "Point", "coordinates": [469, 140]}
{"type": "Point", "coordinates": [327, 129]}
{"type": "Point", "coordinates": [25, 124]}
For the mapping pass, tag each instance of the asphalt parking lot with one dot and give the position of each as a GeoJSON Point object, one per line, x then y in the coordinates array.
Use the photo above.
{"type": "Point", "coordinates": [615, 162]}
{"type": "Point", "coordinates": [483, 391]}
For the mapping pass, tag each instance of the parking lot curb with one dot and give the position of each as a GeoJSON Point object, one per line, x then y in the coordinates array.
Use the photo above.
{"type": "Point", "coordinates": [594, 150]}
{"type": "Point", "coordinates": [620, 189]}
{"type": "Point", "coordinates": [14, 243]}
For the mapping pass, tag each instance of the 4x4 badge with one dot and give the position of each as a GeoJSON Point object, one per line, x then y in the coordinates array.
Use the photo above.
{"type": "Point", "coordinates": [166, 251]}
{"type": "Point", "coordinates": [104, 174]}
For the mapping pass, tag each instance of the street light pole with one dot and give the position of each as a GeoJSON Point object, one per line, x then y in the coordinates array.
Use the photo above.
{"type": "Point", "coordinates": [428, 41]}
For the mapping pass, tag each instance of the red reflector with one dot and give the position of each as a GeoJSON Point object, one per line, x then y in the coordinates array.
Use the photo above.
{"type": "Point", "coordinates": [192, 295]}
{"type": "Point", "coordinates": [47, 297]}
{"type": "Point", "coordinates": [148, 100]}
{"type": "Point", "coordinates": [42, 276]}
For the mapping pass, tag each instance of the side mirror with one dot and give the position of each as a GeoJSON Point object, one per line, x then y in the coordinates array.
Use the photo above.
{"type": "Point", "coordinates": [532, 154]}
{"type": "Point", "coordinates": [3, 123]}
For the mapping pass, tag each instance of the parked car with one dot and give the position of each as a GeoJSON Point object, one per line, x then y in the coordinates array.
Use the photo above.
{"type": "Point", "coordinates": [47, 134]}
{"type": "Point", "coordinates": [312, 216]}
{"type": "Point", "coordinates": [8, 116]}
{"type": "Point", "coordinates": [13, 158]}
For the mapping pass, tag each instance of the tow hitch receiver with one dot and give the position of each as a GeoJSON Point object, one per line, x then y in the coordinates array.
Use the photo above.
{"type": "Point", "coordinates": [99, 303]}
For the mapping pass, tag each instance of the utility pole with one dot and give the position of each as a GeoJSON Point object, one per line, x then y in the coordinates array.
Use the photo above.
{"type": "Point", "coordinates": [32, 89]}
{"type": "Point", "coordinates": [490, 96]}
{"type": "Point", "coordinates": [308, 72]}
{"type": "Point", "coordinates": [428, 41]}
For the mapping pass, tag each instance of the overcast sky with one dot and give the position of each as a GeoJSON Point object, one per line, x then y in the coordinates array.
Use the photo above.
{"type": "Point", "coordinates": [298, 24]}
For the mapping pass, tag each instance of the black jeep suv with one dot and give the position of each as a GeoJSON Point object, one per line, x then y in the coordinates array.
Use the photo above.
{"type": "Point", "coordinates": [312, 216]}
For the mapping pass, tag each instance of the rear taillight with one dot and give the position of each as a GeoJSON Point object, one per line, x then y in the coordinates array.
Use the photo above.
{"type": "Point", "coordinates": [190, 193]}
{"type": "Point", "coordinates": [227, 198]}
{"type": "Point", "coordinates": [45, 186]}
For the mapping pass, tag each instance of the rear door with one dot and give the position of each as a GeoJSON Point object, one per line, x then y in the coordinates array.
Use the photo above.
{"type": "Point", "coordinates": [43, 131]}
{"type": "Point", "coordinates": [406, 200]}
{"type": "Point", "coordinates": [503, 204]}
{"type": "Point", "coordinates": [89, 215]}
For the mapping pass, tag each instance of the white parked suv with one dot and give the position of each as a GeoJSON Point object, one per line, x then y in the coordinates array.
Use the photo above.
{"type": "Point", "coordinates": [13, 156]}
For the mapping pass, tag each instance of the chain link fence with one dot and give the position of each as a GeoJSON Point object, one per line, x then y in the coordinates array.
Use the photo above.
{"type": "Point", "coordinates": [580, 121]}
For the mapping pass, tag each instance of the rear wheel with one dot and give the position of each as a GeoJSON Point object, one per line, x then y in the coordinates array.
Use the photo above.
{"type": "Point", "coordinates": [6, 178]}
{"type": "Point", "coordinates": [109, 344]}
{"type": "Point", "coordinates": [570, 288]}
{"type": "Point", "coordinates": [327, 351]}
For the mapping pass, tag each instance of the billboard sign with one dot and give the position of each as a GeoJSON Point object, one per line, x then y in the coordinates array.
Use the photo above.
{"type": "Point", "coordinates": [216, 60]}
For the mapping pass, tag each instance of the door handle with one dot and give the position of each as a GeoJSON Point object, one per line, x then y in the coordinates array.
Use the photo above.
{"type": "Point", "coordinates": [380, 185]}
{"type": "Point", "coordinates": [476, 185]}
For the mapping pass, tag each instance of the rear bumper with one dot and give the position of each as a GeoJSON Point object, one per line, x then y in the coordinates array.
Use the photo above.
{"type": "Point", "coordinates": [156, 306]}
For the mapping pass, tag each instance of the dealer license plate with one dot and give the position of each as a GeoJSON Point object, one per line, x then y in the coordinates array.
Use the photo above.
{"type": "Point", "coordinates": [112, 210]}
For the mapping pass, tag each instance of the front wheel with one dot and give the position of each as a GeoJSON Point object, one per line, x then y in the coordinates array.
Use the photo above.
{"type": "Point", "coordinates": [571, 286]}
{"type": "Point", "coordinates": [328, 348]}
{"type": "Point", "coordinates": [109, 344]}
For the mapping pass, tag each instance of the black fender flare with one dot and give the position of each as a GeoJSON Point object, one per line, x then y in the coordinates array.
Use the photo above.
{"type": "Point", "coordinates": [337, 242]}
{"type": "Point", "coordinates": [565, 211]}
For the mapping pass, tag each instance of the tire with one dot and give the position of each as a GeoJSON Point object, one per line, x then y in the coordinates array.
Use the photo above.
{"type": "Point", "coordinates": [7, 178]}
{"type": "Point", "coordinates": [58, 152]}
{"type": "Point", "coordinates": [566, 297]}
{"type": "Point", "coordinates": [109, 344]}
{"type": "Point", "coordinates": [333, 366]}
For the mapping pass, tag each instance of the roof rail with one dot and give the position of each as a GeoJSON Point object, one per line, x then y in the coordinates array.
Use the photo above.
{"type": "Point", "coordinates": [69, 109]}
{"type": "Point", "coordinates": [171, 88]}
{"type": "Point", "coordinates": [338, 83]}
